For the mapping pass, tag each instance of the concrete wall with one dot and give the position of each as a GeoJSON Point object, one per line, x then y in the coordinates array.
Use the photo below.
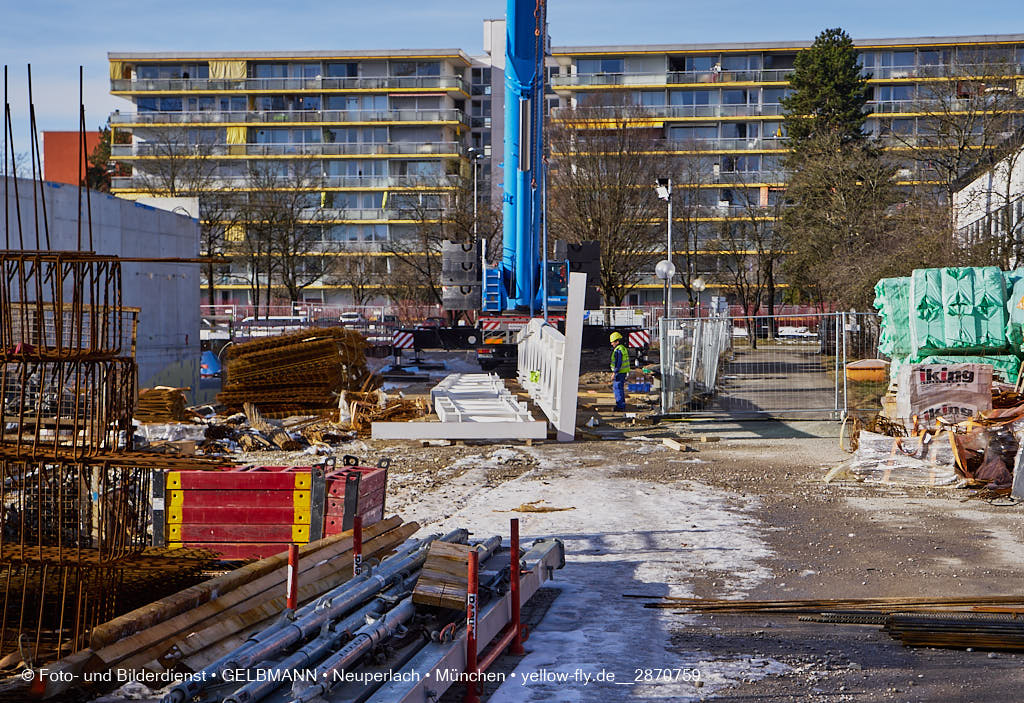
{"type": "Point", "coordinates": [168, 294]}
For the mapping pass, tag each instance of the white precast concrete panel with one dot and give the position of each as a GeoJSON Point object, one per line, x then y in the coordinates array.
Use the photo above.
{"type": "Point", "coordinates": [167, 349]}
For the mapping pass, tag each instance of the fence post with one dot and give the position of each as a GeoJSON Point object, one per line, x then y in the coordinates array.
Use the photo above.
{"type": "Point", "coordinates": [846, 397]}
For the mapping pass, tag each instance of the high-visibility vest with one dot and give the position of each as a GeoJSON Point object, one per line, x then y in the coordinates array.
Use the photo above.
{"type": "Point", "coordinates": [625, 357]}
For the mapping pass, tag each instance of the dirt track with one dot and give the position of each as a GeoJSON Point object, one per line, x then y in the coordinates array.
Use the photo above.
{"type": "Point", "coordinates": [746, 517]}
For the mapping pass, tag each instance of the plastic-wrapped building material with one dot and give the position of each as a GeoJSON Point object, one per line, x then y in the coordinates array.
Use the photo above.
{"type": "Point", "coordinates": [892, 300]}
{"type": "Point", "coordinates": [957, 311]}
{"type": "Point", "coordinates": [906, 461]}
{"type": "Point", "coordinates": [953, 392]}
{"type": "Point", "coordinates": [1015, 315]}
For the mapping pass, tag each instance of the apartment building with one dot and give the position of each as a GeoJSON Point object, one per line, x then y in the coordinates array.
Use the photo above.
{"type": "Point", "coordinates": [382, 128]}
{"type": "Point", "coordinates": [720, 103]}
{"type": "Point", "coordinates": [989, 203]}
{"type": "Point", "coordinates": [363, 133]}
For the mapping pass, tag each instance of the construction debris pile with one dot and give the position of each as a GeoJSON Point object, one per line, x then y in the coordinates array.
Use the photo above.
{"type": "Point", "coordinates": [301, 373]}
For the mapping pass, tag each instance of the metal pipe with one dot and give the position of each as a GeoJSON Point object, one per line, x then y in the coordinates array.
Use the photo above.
{"type": "Point", "coordinates": [305, 657]}
{"type": "Point", "coordinates": [364, 640]}
{"type": "Point", "coordinates": [311, 617]}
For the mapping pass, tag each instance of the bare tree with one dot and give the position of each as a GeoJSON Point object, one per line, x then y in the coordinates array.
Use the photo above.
{"type": "Point", "coordinates": [690, 210]}
{"type": "Point", "coordinates": [439, 215]}
{"type": "Point", "coordinates": [604, 166]}
{"type": "Point", "coordinates": [361, 275]}
{"type": "Point", "coordinates": [968, 109]}
{"type": "Point", "coordinates": [180, 163]}
{"type": "Point", "coordinates": [284, 208]}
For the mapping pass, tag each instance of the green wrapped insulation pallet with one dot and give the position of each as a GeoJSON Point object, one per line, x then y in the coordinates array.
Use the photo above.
{"type": "Point", "coordinates": [1015, 317]}
{"type": "Point", "coordinates": [892, 300]}
{"type": "Point", "coordinates": [957, 311]}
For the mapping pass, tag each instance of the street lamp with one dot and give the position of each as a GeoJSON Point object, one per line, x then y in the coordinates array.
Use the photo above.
{"type": "Point", "coordinates": [663, 187]}
{"type": "Point", "coordinates": [665, 270]}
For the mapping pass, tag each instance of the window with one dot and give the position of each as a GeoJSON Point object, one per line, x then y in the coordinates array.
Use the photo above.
{"type": "Point", "coordinates": [305, 70]}
{"type": "Point", "coordinates": [890, 93]}
{"type": "Point", "coordinates": [690, 97]}
{"type": "Point", "coordinates": [649, 98]}
{"type": "Point", "coordinates": [172, 71]}
{"type": "Point", "coordinates": [307, 102]}
{"type": "Point", "coordinates": [779, 61]}
{"type": "Point", "coordinates": [481, 76]}
{"type": "Point", "coordinates": [738, 97]}
{"type": "Point", "coordinates": [233, 104]}
{"type": "Point", "coordinates": [740, 130]}
{"type": "Point", "coordinates": [740, 164]}
{"type": "Point", "coordinates": [269, 70]}
{"type": "Point", "coordinates": [774, 96]}
{"type": "Point", "coordinates": [773, 130]}
{"type": "Point", "coordinates": [415, 68]}
{"type": "Point", "coordinates": [741, 63]}
{"type": "Point", "coordinates": [377, 103]}
{"type": "Point", "coordinates": [699, 63]}
{"type": "Point", "coordinates": [591, 66]}
{"type": "Point", "coordinates": [349, 69]}
{"type": "Point", "coordinates": [693, 133]}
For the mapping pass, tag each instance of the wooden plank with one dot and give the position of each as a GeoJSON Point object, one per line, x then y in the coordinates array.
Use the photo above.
{"type": "Point", "coordinates": [254, 605]}
{"type": "Point", "coordinates": [152, 637]}
{"type": "Point", "coordinates": [148, 615]}
{"type": "Point", "coordinates": [444, 578]}
{"type": "Point", "coordinates": [460, 430]}
{"type": "Point", "coordinates": [674, 445]}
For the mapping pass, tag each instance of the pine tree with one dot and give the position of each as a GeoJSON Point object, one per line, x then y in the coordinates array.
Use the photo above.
{"type": "Point", "coordinates": [829, 91]}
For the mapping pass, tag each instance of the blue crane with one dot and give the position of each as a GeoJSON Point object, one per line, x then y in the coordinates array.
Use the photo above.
{"type": "Point", "coordinates": [517, 283]}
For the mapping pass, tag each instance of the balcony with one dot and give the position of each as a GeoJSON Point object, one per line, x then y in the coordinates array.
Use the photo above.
{"type": "Point", "coordinates": [345, 182]}
{"type": "Point", "coordinates": [954, 71]}
{"type": "Point", "coordinates": [713, 145]}
{"type": "Point", "coordinates": [414, 149]}
{"type": "Point", "coordinates": [673, 78]}
{"type": "Point", "coordinates": [451, 84]}
{"type": "Point", "coordinates": [286, 117]}
{"type": "Point", "coordinates": [665, 112]}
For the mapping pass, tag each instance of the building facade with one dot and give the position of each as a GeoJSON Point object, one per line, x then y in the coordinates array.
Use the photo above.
{"type": "Point", "coordinates": [378, 129]}
{"type": "Point", "coordinates": [717, 106]}
{"type": "Point", "coordinates": [989, 203]}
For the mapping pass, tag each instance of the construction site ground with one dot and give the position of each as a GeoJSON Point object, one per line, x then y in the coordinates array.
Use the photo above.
{"type": "Point", "coordinates": [747, 516]}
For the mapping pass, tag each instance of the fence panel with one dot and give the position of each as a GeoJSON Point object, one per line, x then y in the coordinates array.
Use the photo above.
{"type": "Point", "coordinates": [775, 366]}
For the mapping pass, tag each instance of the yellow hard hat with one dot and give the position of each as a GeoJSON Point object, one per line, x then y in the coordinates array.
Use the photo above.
{"type": "Point", "coordinates": [615, 336]}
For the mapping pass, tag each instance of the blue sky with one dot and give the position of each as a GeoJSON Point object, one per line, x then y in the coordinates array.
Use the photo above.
{"type": "Point", "coordinates": [56, 36]}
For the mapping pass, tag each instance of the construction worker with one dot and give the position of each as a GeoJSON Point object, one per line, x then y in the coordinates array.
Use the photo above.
{"type": "Point", "coordinates": [620, 369]}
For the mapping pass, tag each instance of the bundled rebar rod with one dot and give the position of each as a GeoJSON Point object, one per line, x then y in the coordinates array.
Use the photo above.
{"type": "Point", "coordinates": [957, 631]}
{"type": "Point", "coordinates": [817, 605]}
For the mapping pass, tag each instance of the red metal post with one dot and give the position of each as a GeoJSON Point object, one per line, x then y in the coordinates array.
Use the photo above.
{"type": "Point", "coordinates": [472, 591]}
{"type": "Point", "coordinates": [357, 546]}
{"type": "Point", "coordinates": [517, 624]}
{"type": "Point", "coordinates": [293, 576]}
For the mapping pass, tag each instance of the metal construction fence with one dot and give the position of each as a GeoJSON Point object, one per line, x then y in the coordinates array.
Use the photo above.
{"type": "Point", "coordinates": [769, 366]}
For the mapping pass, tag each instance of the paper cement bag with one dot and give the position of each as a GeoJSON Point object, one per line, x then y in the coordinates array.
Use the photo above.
{"type": "Point", "coordinates": [953, 392]}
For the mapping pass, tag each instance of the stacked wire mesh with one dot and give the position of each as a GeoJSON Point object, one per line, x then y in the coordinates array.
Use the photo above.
{"type": "Point", "coordinates": [74, 507]}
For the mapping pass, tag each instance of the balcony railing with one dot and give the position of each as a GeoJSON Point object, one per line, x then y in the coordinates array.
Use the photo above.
{"type": "Point", "coordinates": [288, 116]}
{"type": "Point", "coordinates": [255, 85]}
{"type": "Point", "coordinates": [665, 111]}
{"type": "Point", "coordinates": [773, 75]}
{"type": "Point", "coordinates": [355, 182]}
{"type": "Point", "coordinates": [711, 145]}
{"type": "Point", "coordinates": [308, 149]}
{"type": "Point", "coordinates": [584, 80]}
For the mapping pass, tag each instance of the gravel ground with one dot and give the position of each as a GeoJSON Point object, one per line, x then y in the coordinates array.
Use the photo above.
{"type": "Point", "coordinates": [808, 540]}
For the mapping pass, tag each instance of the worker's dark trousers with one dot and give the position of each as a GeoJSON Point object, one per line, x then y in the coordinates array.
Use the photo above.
{"type": "Point", "coordinates": [619, 389]}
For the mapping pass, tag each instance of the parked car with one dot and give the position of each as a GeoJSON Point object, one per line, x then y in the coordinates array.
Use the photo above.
{"type": "Point", "coordinates": [352, 319]}
{"type": "Point", "coordinates": [432, 323]}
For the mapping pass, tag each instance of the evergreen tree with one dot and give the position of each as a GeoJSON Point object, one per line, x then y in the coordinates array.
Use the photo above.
{"type": "Point", "coordinates": [829, 91]}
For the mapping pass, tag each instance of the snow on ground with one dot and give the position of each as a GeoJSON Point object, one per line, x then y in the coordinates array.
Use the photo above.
{"type": "Point", "coordinates": [622, 536]}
